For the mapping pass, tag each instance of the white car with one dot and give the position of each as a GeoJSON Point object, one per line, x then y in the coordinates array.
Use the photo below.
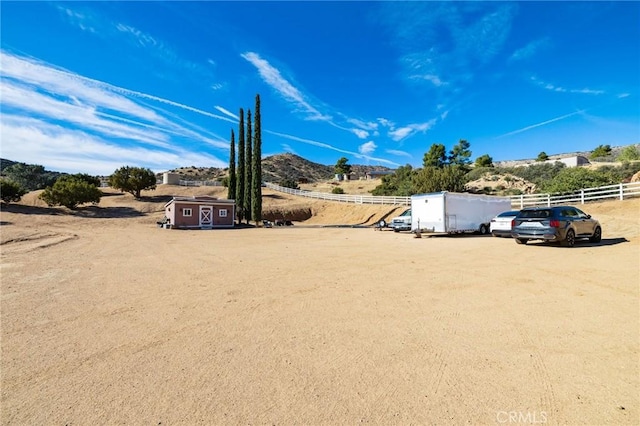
{"type": "Point", "coordinates": [501, 225]}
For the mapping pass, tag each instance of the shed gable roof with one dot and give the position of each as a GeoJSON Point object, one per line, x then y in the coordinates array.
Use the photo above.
{"type": "Point", "coordinates": [199, 200]}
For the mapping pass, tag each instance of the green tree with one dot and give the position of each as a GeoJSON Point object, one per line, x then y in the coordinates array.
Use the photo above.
{"type": "Point", "coordinates": [435, 157]}
{"type": "Point", "coordinates": [460, 154]}
{"type": "Point", "coordinates": [289, 183]}
{"type": "Point", "coordinates": [629, 153]}
{"type": "Point", "coordinates": [231, 183]}
{"type": "Point", "coordinates": [341, 167]}
{"type": "Point", "coordinates": [240, 171]}
{"type": "Point", "coordinates": [30, 176]}
{"type": "Point", "coordinates": [601, 151]}
{"type": "Point", "coordinates": [10, 191]}
{"type": "Point", "coordinates": [484, 161]}
{"type": "Point", "coordinates": [400, 183]}
{"type": "Point", "coordinates": [91, 180]}
{"type": "Point", "coordinates": [71, 191]}
{"type": "Point", "coordinates": [133, 180]}
{"type": "Point", "coordinates": [451, 177]}
{"type": "Point", "coordinates": [542, 156]}
{"type": "Point", "coordinates": [248, 193]}
{"type": "Point", "coordinates": [256, 184]}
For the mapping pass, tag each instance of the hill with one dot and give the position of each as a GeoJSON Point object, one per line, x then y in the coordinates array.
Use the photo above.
{"type": "Point", "coordinates": [280, 167]}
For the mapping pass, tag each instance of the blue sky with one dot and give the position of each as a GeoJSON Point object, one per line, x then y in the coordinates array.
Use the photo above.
{"type": "Point", "coordinates": [92, 86]}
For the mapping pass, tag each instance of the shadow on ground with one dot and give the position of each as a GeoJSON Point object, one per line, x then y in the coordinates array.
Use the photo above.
{"type": "Point", "coordinates": [582, 243]}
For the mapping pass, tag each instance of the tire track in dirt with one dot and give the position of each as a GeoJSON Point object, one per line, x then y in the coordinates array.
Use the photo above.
{"type": "Point", "coordinates": [442, 354]}
{"type": "Point", "coordinates": [547, 401]}
{"type": "Point", "coordinates": [33, 242]}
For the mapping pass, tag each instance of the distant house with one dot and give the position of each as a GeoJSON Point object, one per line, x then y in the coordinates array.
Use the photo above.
{"type": "Point", "coordinates": [377, 174]}
{"type": "Point", "coordinates": [202, 212]}
{"type": "Point", "coordinates": [575, 161]}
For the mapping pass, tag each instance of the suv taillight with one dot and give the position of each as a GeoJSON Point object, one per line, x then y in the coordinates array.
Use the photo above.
{"type": "Point", "coordinates": [513, 223]}
{"type": "Point", "coordinates": [554, 223]}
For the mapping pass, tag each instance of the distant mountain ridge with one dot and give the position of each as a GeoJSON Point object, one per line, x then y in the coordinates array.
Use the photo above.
{"type": "Point", "coordinates": [280, 167]}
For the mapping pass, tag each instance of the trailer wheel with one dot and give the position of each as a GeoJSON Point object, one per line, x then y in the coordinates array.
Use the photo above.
{"type": "Point", "coordinates": [484, 230]}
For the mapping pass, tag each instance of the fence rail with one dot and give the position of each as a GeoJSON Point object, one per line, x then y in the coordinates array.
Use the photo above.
{"type": "Point", "coordinates": [200, 183]}
{"type": "Point", "coordinates": [344, 198]}
{"type": "Point", "coordinates": [618, 191]}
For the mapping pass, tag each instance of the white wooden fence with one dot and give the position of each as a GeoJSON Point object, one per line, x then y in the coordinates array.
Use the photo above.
{"type": "Point", "coordinates": [619, 191]}
{"type": "Point", "coordinates": [200, 183]}
{"type": "Point", "coordinates": [344, 198]}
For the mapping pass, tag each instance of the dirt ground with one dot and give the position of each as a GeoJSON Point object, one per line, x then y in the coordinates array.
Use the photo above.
{"type": "Point", "coordinates": [108, 319]}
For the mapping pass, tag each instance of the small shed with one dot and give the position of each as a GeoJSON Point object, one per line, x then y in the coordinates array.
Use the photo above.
{"type": "Point", "coordinates": [169, 178]}
{"type": "Point", "coordinates": [201, 212]}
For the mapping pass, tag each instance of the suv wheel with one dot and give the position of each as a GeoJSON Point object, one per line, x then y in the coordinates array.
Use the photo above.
{"type": "Point", "coordinates": [521, 241]}
{"type": "Point", "coordinates": [569, 239]}
{"type": "Point", "coordinates": [483, 230]}
{"type": "Point", "coordinates": [597, 235]}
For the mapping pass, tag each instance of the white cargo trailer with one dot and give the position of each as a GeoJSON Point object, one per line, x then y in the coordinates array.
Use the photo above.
{"type": "Point", "coordinates": [451, 212]}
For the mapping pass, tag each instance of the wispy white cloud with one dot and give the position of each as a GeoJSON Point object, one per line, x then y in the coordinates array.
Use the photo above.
{"type": "Point", "coordinates": [433, 79]}
{"type": "Point", "coordinates": [330, 147]}
{"type": "Point", "coordinates": [398, 153]}
{"type": "Point", "coordinates": [544, 123]}
{"type": "Point", "coordinates": [81, 20]}
{"type": "Point", "coordinates": [367, 148]}
{"type": "Point", "coordinates": [287, 148]}
{"type": "Point", "coordinates": [530, 50]}
{"type": "Point", "coordinates": [33, 140]}
{"type": "Point", "coordinates": [386, 123]}
{"type": "Point", "coordinates": [99, 25]}
{"type": "Point", "coordinates": [52, 101]}
{"type": "Point", "coordinates": [361, 134]}
{"type": "Point", "coordinates": [227, 112]}
{"type": "Point", "coordinates": [560, 89]}
{"type": "Point", "coordinates": [282, 86]}
{"type": "Point", "coordinates": [406, 131]}
{"type": "Point", "coordinates": [442, 43]}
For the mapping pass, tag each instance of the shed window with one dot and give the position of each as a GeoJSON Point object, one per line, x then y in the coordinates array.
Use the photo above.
{"type": "Point", "coordinates": [222, 212]}
{"type": "Point", "coordinates": [187, 212]}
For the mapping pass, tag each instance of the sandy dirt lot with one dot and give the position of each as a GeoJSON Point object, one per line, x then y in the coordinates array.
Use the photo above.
{"type": "Point", "coordinates": [107, 319]}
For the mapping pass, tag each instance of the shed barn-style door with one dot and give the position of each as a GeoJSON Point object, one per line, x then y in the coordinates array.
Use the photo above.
{"type": "Point", "coordinates": [206, 216]}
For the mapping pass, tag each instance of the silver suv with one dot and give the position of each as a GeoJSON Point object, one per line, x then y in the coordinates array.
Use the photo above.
{"type": "Point", "coordinates": [561, 224]}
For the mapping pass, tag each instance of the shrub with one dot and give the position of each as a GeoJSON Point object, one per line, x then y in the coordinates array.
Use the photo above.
{"type": "Point", "coordinates": [10, 191]}
{"type": "Point", "coordinates": [71, 191]}
{"type": "Point", "coordinates": [601, 151]}
{"type": "Point", "coordinates": [289, 183]}
{"type": "Point", "coordinates": [629, 153]}
{"type": "Point", "coordinates": [478, 172]}
{"type": "Point", "coordinates": [337, 190]}
{"type": "Point", "coordinates": [542, 156]}
{"type": "Point", "coordinates": [576, 178]}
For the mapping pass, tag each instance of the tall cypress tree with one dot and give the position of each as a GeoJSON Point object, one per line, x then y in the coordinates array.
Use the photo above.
{"type": "Point", "coordinates": [256, 184]}
{"type": "Point", "coordinates": [248, 193]}
{"type": "Point", "coordinates": [241, 165]}
{"type": "Point", "coordinates": [231, 193]}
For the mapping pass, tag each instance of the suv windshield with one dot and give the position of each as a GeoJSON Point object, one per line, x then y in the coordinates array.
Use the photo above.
{"type": "Point", "coordinates": [535, 214]}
